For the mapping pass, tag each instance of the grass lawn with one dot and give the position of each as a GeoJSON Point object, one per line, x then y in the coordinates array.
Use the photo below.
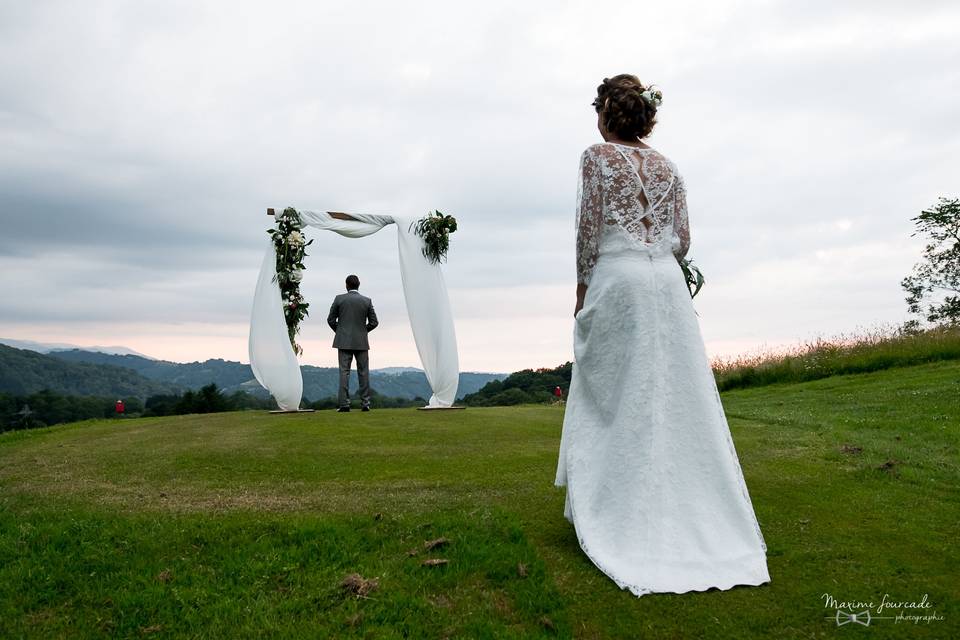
{"type": "Point", "coordinates": [245, 524]}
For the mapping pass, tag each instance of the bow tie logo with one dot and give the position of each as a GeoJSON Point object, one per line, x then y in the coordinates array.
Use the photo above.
{"type": "Point", "coordinates": [863, 617]}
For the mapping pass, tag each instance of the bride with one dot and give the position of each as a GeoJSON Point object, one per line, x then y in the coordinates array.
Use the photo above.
{"type": "Point", "coordinates": [654, 486]}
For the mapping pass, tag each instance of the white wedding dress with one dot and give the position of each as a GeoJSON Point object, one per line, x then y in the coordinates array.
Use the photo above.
{"type": "Point", "coordinates": [654, 485]}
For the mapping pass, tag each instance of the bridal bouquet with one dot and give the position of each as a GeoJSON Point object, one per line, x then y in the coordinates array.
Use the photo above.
{"type": "Point", "coordinates": [290, 246]}
{"type": "Point", "coordinates": [692, 275]}
{"type": "Point", "coordinates": [435, 229]}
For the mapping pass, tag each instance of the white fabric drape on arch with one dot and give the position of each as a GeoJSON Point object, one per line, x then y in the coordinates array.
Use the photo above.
{"type": "Point", "coordinates": [272, 358]}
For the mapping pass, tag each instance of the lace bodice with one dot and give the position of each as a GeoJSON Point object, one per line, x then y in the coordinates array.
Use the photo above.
{"type": "Point", "coordinates": [637, 193]}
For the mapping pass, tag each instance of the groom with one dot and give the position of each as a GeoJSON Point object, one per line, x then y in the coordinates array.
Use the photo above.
{"type": "Point", "coordinates": [352, 317]}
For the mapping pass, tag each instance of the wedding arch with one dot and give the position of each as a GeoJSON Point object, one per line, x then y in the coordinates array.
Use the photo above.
{"type": "Point", "coordinates": [272, 349]}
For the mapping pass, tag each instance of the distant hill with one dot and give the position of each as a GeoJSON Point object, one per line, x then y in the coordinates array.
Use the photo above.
{"type": "Point", "coordinates": [192, 375]}
{"type": "Point", "coordinates": [521, 387]}
{"type": "Point", "coordinates": [47, 347]}
{"type": "Point", "coordinates": [322, 382]}
{"type": "Point", "coordinates": [318, 382]}
{"type": "Point", "coordinates": [396, 370]}
{"type": "Point", "coordinates": [24, 371]}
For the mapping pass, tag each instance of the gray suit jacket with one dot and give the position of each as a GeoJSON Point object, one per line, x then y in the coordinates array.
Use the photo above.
{"type": "Point", "coordinates": [352, 317]}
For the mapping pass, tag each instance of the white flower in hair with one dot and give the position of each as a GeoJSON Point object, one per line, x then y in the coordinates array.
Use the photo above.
{"type": "Point", "coordinates": [653, 98]}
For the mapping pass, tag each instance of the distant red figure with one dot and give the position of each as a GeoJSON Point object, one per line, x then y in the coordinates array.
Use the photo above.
{"type": "Point", "coordinates": [558, 393]}
{"type": "Point", "coordinates": [120, 406]}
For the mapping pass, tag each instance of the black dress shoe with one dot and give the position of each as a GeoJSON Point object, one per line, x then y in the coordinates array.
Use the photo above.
{"type": "Point", "coordinates": [343, 410]}
{"type": "Point", "coordinates": [365, 409]}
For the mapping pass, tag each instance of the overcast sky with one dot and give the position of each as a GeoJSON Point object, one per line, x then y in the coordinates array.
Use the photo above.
{"type": "Point", "coordinates": [140, 143]}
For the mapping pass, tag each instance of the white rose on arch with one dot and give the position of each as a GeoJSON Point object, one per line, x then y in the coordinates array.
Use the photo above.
{"type": "Point", "coordinates": [296, 275]}
{"type": "Point", "coordinates": [295, 239]}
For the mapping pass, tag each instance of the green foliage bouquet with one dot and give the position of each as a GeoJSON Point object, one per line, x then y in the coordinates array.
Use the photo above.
{"type": "Point", "coordinates": [435, 229]}
{"type": "Point", "coordinates": [290, 246]}
{"type": "Point", "coordinates": [692, 275]}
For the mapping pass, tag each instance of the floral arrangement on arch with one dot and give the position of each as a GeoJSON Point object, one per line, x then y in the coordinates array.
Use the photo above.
{"type": "Point", "coordinates": [291, 248]}
{"type": "Point", "coordinates": [435, 229]}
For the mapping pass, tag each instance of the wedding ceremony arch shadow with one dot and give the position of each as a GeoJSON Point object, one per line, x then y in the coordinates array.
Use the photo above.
{"type": "Point", "coordinates": [272, 356]}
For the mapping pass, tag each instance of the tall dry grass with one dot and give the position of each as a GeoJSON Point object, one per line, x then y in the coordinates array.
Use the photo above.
{"type": "Point", "coordinates": [863, 350]}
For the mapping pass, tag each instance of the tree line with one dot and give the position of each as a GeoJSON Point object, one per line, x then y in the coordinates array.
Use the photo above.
{"type": "Point", "coordinates": [535, 386]}
{"type": "Point", "coordinates": [45, 408]}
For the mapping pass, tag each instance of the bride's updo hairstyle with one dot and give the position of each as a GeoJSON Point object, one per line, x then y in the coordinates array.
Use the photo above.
{"type": "Point", "coordinates": [625, 112]}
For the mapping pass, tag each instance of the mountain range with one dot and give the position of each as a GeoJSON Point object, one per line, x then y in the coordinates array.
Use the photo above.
{"type": "Point", "coordinates": [47, 347]}
{"type": "Point", "coordinates": [124, 373]}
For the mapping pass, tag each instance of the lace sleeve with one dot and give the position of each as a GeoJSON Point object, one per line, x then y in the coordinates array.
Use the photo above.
{"type": "Point", "coordinates": [681, 223]}
{"type": "Point", "coordinates": [589, 215]}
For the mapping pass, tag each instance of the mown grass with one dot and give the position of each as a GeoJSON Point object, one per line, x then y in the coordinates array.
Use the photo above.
{"type": "Point", "coordinates": [860, 351]}
{"type": "Point", "coordinates": [244, 524]}
{"type": "Point", "coordinates": [93, 573]}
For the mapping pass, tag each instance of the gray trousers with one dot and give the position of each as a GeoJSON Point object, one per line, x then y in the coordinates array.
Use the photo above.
{"type": "Point", "coordinates": [363, 372]}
